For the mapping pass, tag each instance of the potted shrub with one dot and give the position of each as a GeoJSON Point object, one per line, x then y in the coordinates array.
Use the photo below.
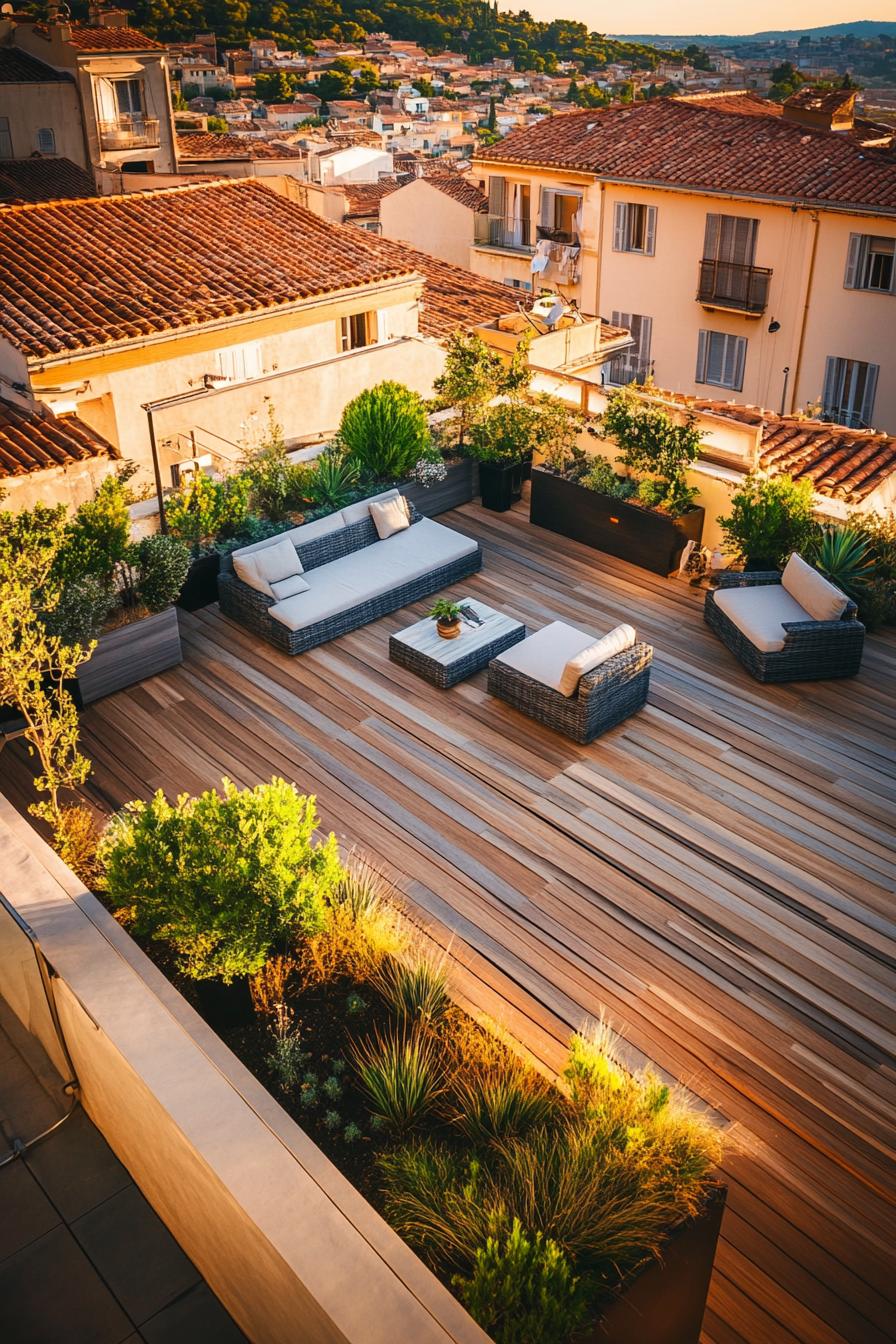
{"type": "Point", "coordinates": [501, 441]}
{"type": "Point", "coordinates": [770, 518]}
{"type": "Point", "coordinates": [116, 594]}
{"type": "Point", "coordinates": [447, 618]}
{"type": "Point", "coordinates": [645, 516]}
{"type": "Point", "coordinates": [203, 514]}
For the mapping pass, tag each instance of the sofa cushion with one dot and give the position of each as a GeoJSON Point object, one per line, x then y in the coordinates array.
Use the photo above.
{"type": "Point", "coordinates": [619, 639]}
{"type": "Point", "coordinates": [369, 573]}
{"type": "Point", "coordinates": [544, 655]}
{"type": "Point", "coordinates": [759, 612]}
{"type": "Point", "coordinates": [321, 527]}
{"type": "Point", "coordinates": [289, 587]}
{"type": "Point", "coordinates": [812, 590]}
{"type": "Point", "coordinates": [389, 516]}
{"type": "Point", "coordinates": [356, 513]}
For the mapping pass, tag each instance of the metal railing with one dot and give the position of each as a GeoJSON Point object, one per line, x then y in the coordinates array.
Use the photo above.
{"type": "Point", "coordinates": [499, 231]}
{"type": "Point", "coordinates": [726, 284]}
{"type": "Point", "coordinates": [130, 131]}
{"type": "Point", "coordinates": [622, 370]}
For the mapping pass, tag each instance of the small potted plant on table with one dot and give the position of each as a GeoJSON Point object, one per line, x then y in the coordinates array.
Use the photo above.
{"type": "Point", "coordinates": [447, 618]}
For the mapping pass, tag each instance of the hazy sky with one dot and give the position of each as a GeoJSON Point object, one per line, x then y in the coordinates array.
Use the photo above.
{"type": "Point", "coordinates": [705, 16]}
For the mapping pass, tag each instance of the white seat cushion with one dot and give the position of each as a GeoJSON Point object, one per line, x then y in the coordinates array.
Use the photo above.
{"type": "Point", "coordinates": [356, 513]}
{"type": "Point", "coordinates": [544, 655]}
{"type": "Point", "coordinates": [812, 590]}
{"type": "Point", "coordinates": [760, 612]}
{"type": "Point", "coordinates": [373, 571]}
{"type": "Point", "coordinates": [619, 639]}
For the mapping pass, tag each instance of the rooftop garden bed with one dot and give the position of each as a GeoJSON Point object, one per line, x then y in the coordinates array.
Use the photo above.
{"type": "Point", "coordinates": [536, 1200]}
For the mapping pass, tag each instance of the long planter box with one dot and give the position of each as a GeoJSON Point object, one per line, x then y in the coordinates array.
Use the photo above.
{"type": "Point", "coordinates": [458, 487]}
{"type": "Point", "coordinates": [652, 540]}
{"type": "Point", "coordinates": [130, 654]}
{"type": "Point", "coordinates": [201, 584]}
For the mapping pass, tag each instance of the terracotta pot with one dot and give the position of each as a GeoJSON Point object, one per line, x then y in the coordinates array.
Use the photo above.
{"type": "Point", "coordinates": [448, 629]}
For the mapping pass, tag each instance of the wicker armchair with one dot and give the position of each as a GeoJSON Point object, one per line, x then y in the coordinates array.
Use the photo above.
{"type": "Point", "coordinates": [604, 698]}
{"type": "Point", "coordinates": [813, 650]}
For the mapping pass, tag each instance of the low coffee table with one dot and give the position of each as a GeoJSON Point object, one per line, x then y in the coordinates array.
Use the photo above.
{"type": "Point", "coordinates": [445, 662]}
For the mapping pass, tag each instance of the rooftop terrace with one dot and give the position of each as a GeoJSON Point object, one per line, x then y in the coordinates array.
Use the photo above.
{"type": "Point", "coordinates": [716, 875]}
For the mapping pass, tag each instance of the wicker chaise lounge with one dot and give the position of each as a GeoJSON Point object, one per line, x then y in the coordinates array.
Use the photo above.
{"type": "Point", "coordinates": [766, 619]}
{"type": "Point", "coordinates": [542, 678]}
{"type": "Point", "coordinates": [347, 575]}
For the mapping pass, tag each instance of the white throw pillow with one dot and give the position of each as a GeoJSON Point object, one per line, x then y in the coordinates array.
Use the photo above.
{"type": "Point", "coordinates": [391, 516]}
{"type": "Point", "coordinates": [357, 513]}
{"type": "Point", "coordinates": [812, 590]}
{"type": "Point", "coordinates": [284, 588]}
{"type": "Point", "coordinates": [623, 637]}
{"type": "Point", "coordinates": [268, 566]}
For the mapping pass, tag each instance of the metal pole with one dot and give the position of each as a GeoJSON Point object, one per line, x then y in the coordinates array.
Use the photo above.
{"type": "Point", "coordinates": [784, 389]}
{"type": "Point", "coordinates": [163, 521]}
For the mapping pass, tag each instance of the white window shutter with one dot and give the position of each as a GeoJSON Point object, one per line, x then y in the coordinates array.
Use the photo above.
{"type": "Point", "coordinates": [711, 237]}
{"type": "Point", "coordinates": [382, 325]}
{"type": "Point", "coordinates": [620, 221]}
{"type": "Point", "coordinates": [644, 340]}
{"type": "Point", "coordinates": [867, 410]}
{"type": "Point", "coordinates": [650, 231]}
{"type": "Point", "coordinates": [702, 342]}
{"type": "Point", "coordinates": [854, 260]}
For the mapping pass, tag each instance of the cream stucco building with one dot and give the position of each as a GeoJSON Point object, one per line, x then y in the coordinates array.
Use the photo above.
{"type": "Point", "coordinates": [750, 251]}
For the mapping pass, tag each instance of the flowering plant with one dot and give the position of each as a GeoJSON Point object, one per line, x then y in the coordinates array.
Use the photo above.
{"type": "Point", "coordinates": [429, 471]}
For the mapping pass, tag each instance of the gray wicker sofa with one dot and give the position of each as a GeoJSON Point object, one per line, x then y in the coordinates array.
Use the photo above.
{"type": "Point", "coordinates": [783, 642]}
{"type": "Point", "coordinates": [351, 576]}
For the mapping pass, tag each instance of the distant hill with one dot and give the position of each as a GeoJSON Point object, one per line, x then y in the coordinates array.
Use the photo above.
{"type": "Point", "coordinates": [864, 28]}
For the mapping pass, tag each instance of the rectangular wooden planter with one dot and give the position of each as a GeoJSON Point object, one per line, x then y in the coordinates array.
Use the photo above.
{"type": "Point", "coordinates": [458, 487]}
{"type": "Point", "coordinates": [652, 540]}
{"type": "Point", "coordinates": [130, 654]}
{"type": "Point", "coordinates": [201, 584]}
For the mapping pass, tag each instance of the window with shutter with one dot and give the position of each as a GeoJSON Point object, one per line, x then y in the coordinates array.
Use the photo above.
{"type": "Point", "coordinates": [633, 364]}
{"type": "Point", "coordinates": [721, 359]}
{"type": "Point", "coordinates": [849, 390]}
{"type": "Point", "coordinates": [871, 263]}
{"type": "Point", "coordinates": [634, 228]}
{"type": "Point", "coordinates": [46, 140]}
{"type": "Point", "coordinates": [240, 363]}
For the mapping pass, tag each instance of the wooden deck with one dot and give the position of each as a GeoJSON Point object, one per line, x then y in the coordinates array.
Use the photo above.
{"type": "Point", "coordinates": [717, 875]}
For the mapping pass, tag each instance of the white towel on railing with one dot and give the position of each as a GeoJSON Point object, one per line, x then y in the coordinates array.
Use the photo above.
{"type": "Point", "coordinates": [541, 256]}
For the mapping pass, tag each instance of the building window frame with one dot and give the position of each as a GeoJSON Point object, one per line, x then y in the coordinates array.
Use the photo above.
{"type": "Point", "coordinates": [721, 359]}
{"type": "Point", "coordinates": [632, 365]}
{"type": "Point", "coordinates": [634, 228]}
{"type": "Point", "coordinates": [5, 139]}
{"type": "Point", "coordinates": [46, 140]}
{"type": "Point", "coordinates": [871, 258]}
{"type": "Point", "coordinates": [240, 363]}
{"type": "Point", "coordinates": [850, 386]}
{"type": "Point", "coordinates": [356, 331]}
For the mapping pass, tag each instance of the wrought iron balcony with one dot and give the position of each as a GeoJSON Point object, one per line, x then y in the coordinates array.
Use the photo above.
{"type": "Point", "coordinates": [130, 131]}
{"type": "Point", "coordinates": [497, 231]}
{"type": "Point", "coordinates": [725, 284]}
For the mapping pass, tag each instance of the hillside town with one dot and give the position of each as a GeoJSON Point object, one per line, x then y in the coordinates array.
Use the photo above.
{"type": "Point", "coordinates": [447, 678]}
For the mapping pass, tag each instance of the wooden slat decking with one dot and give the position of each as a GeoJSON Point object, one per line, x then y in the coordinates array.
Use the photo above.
{"type": "Point", "coordinates": [717, 874]}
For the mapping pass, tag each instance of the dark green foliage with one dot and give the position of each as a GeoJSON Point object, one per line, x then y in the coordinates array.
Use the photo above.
{"type": "Point", "coordinates": [83, 608]}
{"type": "Point", "coordinates": [522, 1290]}
{"type": "Point", "coordinates": [334, 479]}
{"type": "Point", "coordinates": [402, 1075]}
{"type": "Point", "coordinates": [769, 519]}
{"type": "Point", "coordinates": [843, 555]}
{"type": "Point", "coordinates": [162, 564]}
{"type": "Point", "coordinates": [654, 443]}
{"type": "Point", "coordinates": [505, 433]}
{"type": "Point", "coordinates": [225, 878]}
{"type": "Point", "coordinates": [205, 511]}
{"type": "Point", "coordinates": [385, 431]}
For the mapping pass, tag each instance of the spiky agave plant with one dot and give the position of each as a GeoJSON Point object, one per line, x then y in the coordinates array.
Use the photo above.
{"type": "Point", "coordinates": [416, 989]}
{"type": "Point", "coordinates": [844, 557]}
{"type": "Point", "coordinates": [402, 1074]}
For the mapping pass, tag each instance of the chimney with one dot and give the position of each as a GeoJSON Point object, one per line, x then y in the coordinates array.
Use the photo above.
{"type": "Point", "coordinates": [98, 16]}
{"type": "Point", "coordinates": [821, 109]}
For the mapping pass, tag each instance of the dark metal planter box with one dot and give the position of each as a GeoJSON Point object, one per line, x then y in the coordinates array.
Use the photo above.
{"type": "Point", "coordinates": [653, 540]}
{"type": "Point", "coordinates": [458, 487]}
{"type": "Point", "coordinates": [130, 654]}
{"type": "Point", "coordinates": [665, 1302]}
{"type": "Point", "coordinates": [500, 486]}
{"type": "Point", "coordinates": [201, 584]}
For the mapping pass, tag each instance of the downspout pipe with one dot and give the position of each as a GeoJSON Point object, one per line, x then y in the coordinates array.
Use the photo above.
{"type": "Point", "coordinates": [797, 367]}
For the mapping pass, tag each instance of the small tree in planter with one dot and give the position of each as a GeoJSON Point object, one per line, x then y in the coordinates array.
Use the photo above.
{"type": "Point", "coordinates": [385, 431]}
{"type": "Point", "coordinates": [769, 518]}
{"type": "Point", "coordinates": [225, 879]}
{"type": "Point", "coordinates": [653, 446]}
{"type": "Point", "coordinates": [205, 511]}
{"type": "Point", "coordinates": [474, 376]}
{"type": "Point", "coordinates": [507, 434]}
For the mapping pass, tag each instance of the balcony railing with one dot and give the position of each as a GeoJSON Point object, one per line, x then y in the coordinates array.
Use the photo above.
{"type": "Point", "coordinates": [725, 284]}
{"type": "Point", "coordinates": [130, 132]}
{"type": "Point", "coordinates": [622, 370]}
{"type": "Point", "coordinates": [497, 231]}
{"type": "Point", "coordinates": [564, 237]}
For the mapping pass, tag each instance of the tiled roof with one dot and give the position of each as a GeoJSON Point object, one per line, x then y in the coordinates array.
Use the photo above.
{"type": "Point", "coordinates": [195, 145]}
{"type": "Point", "coordinates": [40, 179]}
{"type": "Point", "coordinates": [821, 100]}
{"type": "Point", "coordinates": [695, 146]}
{"type": "Point", "coordinates": [17, 67]}
{"type": "Point", "coordinates": [170, 261]}
{"type": "Point", "coordinates": [85, 38]}
{"type": "Point", "coordinates": [35, 440]}
{"type": "Point", "coordinates": [363, 198]}
{"type": "Point", "coordinates": [459, 189]}
{"type": "Point", "coordinates": [743, 102]}
{"type": "Point", "coordinates": [842, 463]}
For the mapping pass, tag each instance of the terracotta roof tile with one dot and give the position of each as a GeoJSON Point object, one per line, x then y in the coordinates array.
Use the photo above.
{"type": "Point", "coordinates": [363, 198]}
{"type": "Point", "coordinates": [170, 261]}
{"type": "Point", "coordinates": [193, 146]}
{"type": "Point", "coordinates": [459, 189]}
{"type": "Point", "coordinates": [35, 440]}
{"type": "Point", "coordinates": [17, 67]}
{"type": "Point", "coordinates": [40, 179]}
{"type": "Point", "coordinates": [695, 146]}
{"type": "Point", "coordinates": [85, 38]}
